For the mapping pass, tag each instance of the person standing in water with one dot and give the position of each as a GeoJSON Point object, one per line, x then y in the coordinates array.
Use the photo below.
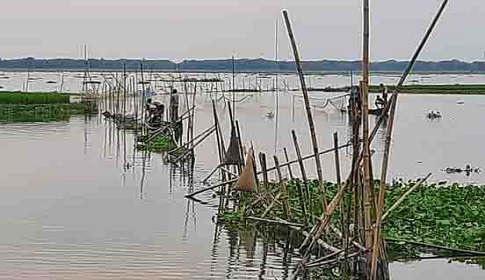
{"type": "Point", "coordinates": [174, 106]}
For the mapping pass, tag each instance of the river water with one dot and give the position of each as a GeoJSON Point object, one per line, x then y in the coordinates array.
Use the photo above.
{"type": "Point", "coordinates": [78, 202]}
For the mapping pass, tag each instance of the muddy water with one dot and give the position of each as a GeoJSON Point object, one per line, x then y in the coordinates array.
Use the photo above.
{"type": "Point", "coordinates": [77, 202]}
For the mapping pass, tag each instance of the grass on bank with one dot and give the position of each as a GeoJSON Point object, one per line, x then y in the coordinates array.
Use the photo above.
{"type": "Point", "coordinates": [25, 98]}
{"type": "Point", "coordinates": [472, 89]}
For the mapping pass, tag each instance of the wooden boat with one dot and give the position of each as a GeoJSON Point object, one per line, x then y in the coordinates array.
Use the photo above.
{"type": "Point", "coordinates": [376, 112]}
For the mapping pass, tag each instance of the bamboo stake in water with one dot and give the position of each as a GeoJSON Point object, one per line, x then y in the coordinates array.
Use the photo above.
{"type": "Point", "coordinates": [284, 191]}
{"type": "Point", "coordinates": [307, 105]}
{"type": "Point", "coordinates": [385, 161]}
{"type": "Point", "coordinates": [290, 172]}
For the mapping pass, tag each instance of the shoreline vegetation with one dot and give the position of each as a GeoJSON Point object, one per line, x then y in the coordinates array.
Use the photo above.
{"type": "Point", "coordinates": [40, 107]}
{"type": "Point", "coordinates": [241, 65]}
{"type": "Point", "coordinates": [457, 89]}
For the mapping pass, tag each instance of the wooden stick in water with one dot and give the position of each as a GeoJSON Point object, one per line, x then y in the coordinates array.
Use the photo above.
{"type": "Point", "coordinates": [290, 172]}
{"type": "Point", "coordinates": [385, 160]}
{"type": "Point", "coordinates": [307, 105]}
{"type": "Point", "coordinates": [286, 203]}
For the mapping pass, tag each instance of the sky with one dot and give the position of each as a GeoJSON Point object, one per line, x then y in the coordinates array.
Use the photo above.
{"type": "Point", "coordinates": [211, 29]}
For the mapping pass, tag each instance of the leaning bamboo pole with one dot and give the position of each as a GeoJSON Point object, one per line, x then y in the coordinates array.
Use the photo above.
{"type": "Point", "coordinates": [307, 104]}
{"type": "Point", "coordinates": [385, 161]}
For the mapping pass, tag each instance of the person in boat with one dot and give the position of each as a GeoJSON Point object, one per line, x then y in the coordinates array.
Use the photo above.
{"type": "Point", "coordinates": [380, 102]}
{"type": "Point", "coordinates": [149, 107]}
{"type": "Point", "coordinates": [384, 91]}
{"type": "Point", "coordinates": [158, 112]}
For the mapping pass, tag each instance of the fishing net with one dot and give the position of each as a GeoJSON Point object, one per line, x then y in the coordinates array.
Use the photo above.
{"type": "Point", "coordinates": [232, 156]}
{"type": "Point", "coordinates": [331, 103]}
{"type": "Point", "coordinates": [247, 181]}
{"type": "Point", "coordinates": [337, 102]}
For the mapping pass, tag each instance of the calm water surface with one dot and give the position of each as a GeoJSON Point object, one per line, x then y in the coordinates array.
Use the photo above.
{"type": "Point", "coordinates": [77, 202]}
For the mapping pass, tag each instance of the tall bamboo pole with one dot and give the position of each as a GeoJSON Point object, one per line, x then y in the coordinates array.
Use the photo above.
{"type": "Point", "coordinates": [385, 161]}
{"type": "Point", "coordinates": [307, 105]}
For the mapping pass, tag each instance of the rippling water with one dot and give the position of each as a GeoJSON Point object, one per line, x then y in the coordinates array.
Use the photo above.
{"type": "Point", "coordinates": [78, 202]}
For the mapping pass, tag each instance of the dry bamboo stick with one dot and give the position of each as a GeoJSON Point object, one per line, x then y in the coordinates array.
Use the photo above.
{"type": "Point", "coordinates": [307, 105]}
{"type": "Point", "coordinates": [305, 195]}
{"type": "Point", "coordinates": [367, 163]}
{"type": "Point", "coordinates": [259, 172]}
{"type": "Point", "coordinates": [262, 160]}
{"type": "Point", "coordinates": [320, 242]}
{"type": "Point", "coordinates": [439, 247]}
{"type": "Point", "coordinates": [403, 197]}
{"type": "Point", "coordinates": [280, 221]}
{"type": "Point", "coordinates": [325, 220]}
{"type": "Point", "coordinates": [286, 203]}
{"type": "Point", "coordinates": [275, 200]}
{"type": "Point", "coordinates": [385, 161]}
{"type": "Point", "coordinates": [290, 172]}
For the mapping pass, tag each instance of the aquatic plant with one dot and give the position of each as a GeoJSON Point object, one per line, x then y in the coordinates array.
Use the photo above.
{"type": "Point", "coordinates": [158, 144]}
{"type": "Point", "coordinates": [436, 89]}
{"type": "Point", "coordinates": [447, 215]}
{"type": "Point", "coordinates": [24, 98]}
{"type": "Point", "coordinates": [42, 112]}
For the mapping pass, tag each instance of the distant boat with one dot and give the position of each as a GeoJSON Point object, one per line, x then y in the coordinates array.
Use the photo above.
{"type": "Point", "coordinates": [460, 102]}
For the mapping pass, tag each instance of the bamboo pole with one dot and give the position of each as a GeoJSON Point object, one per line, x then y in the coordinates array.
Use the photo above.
{"type": "Point", "coordinates": [367, 192]}
{"type": "Point", "coordinates": [306, 193]}
{"type": "Point", "coordinates": [284, 191]}
{"type": "Point", "coordinates": [385, 161]}
{"type": "Point", "coordinates": [269, 169]}
{"type": "Point", "coordinates": [290, 172]}
{"type": "Point", "coordinates": [307, 105]}
{"type": "Point", "coordinates": [262, 160]}
{"type": "Point", "coordinates": [241, 156]}
{"type": "Point", "coordinates": [318, 230]}
{"type": "Point", "coordinates": [403, 197]}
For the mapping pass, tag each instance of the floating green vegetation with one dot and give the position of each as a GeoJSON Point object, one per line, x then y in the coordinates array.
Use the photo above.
{"type": "Point", "coordinates": [437, 89]}
{"type": "Point", "coordinates": [24, 98]}
{"type": "Point", "coordinates": [158, 144]}
{"type": "Point", "coordinates": [447, 215]}
{"type": "Point", "coordinates": [43, 112]}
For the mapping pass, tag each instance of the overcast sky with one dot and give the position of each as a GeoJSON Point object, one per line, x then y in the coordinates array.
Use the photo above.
{"type": "Point", "coordinates": [197, 29]}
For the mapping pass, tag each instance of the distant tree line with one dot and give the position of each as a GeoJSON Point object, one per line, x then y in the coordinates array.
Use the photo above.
{"type": "Point", "coordinates": [241, 65]}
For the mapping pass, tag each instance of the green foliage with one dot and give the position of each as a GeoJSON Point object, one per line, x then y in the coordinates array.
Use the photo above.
{"type": "Point", "coordinates": [437, 89]}
{"type": "Point", "coordinates": [24, 98]}
{"type": "Point", "coordinates": [41, 112]}
{"type": "Point", "coordinates": [161, 143]}
{"type": "Point", "coordinates": [452, 215]}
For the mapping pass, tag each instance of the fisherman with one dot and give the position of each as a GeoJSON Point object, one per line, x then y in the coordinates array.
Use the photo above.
{"type": "Point", "coordinates": [355, 97]}
{"type": "Point", "coordinates": [148, 109]}
{"type": "Point", "coordinates": [385, 92]}
{"type": "Point", "coordinates": [174, 105]}
{"type": "Point", "coordinates": [158, 112]}
{"type": "Point", "coordinates": [380, 102]}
